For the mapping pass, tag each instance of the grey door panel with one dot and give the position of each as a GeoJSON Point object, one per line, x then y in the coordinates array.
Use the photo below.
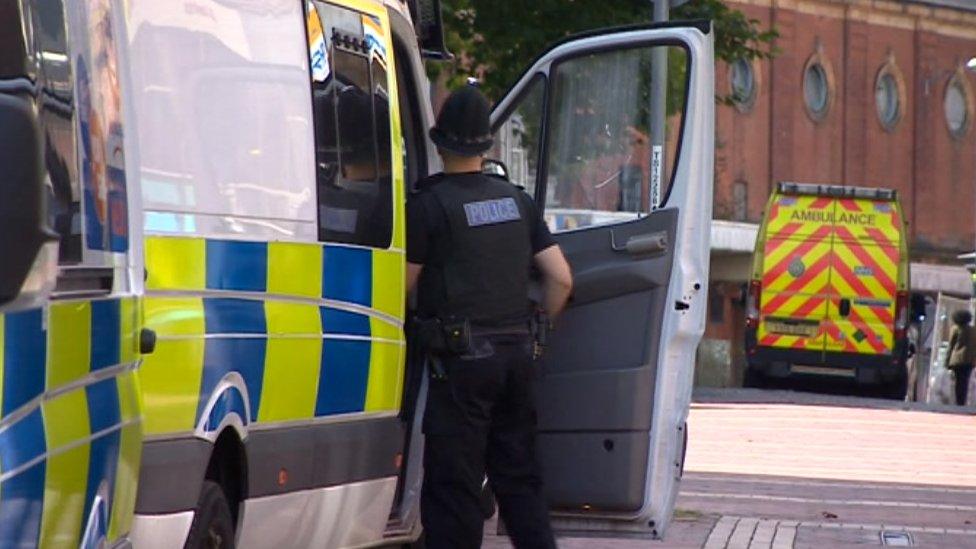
{"type": "Point", "coordinates": [596, 392]}
{"type": "Point", "coordinates": [614, 414]}
{"type": "Point", "coordinates": [619, 457]}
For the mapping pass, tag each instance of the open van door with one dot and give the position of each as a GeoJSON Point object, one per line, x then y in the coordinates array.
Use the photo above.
{"type": "Point", "coordinates": [616, 379]}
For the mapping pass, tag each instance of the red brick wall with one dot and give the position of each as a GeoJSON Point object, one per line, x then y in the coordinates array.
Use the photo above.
{"type": "Point", "coordinates": [777, 141]}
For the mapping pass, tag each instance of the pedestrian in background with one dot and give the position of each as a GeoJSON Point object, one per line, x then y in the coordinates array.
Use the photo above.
{"type": "Point", "coordinates": [962, 355]}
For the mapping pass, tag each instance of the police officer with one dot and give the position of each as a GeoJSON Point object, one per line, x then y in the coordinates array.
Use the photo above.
{"type": "Point", "coordinates": [472, 240]}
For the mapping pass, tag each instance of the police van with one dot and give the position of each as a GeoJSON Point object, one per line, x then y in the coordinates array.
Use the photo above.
{"type": "Point", "coordinates": [830, 286]}
{"type": "Point", "coordinates": [203, 280]}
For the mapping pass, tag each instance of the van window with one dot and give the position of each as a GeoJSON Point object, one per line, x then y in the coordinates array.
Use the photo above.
{"type": "Point", "coordinates": [599, 160]}
{"type": "Point", "coordinates": [351, 107]}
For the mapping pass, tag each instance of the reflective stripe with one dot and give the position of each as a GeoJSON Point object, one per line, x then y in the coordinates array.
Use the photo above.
{"type": "Point", "coordinates": [62, 419]}
{"type": "Point", "coordinates": [312, 329]}
{"type": "Point", "coordinates": [172, 374]}
{"type": "Point", "coordinates": [295, 269]}
{"type": "Point", "coordinates": [293, 364]}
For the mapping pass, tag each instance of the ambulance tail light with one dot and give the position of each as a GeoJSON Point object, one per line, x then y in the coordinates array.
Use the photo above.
{"type": "Point", "coordinates": [901, 314]}
{"type": "Point", "coordinates": [753, 304]}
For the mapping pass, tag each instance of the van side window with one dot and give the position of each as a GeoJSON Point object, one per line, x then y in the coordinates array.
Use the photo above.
{"type": "Point", "coordinates": [351, 108]}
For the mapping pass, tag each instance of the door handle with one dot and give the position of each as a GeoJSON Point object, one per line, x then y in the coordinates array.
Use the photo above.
{"type": "Point", "coordinates": [643, 244]}
{"type": "Point", "coordinates": [845, 307]}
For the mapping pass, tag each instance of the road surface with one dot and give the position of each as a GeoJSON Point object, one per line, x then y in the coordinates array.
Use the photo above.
{"type": "Point", "coordinates": [777, 469]}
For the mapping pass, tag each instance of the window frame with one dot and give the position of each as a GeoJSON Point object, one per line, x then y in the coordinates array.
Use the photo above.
{"type": "Point", "coordinates": [744, 104]}
{"type": "Point", "coordinates": [818, 61]}
{"type": "Point", "coordinates": [540, 199]}
{"type": "Point", "coordinates": [960, 83]}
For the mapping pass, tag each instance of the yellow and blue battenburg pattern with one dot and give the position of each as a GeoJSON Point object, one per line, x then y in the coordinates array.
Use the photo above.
{"type": "Point", "coordinates": [312, 329]}
{"type": "Point", "coordinates": [70, 430]}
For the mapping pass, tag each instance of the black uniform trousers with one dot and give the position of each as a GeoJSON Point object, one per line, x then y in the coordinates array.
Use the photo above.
{"type": "Point", "coordinates": [962, 374]}
{"type": "Point", "coordinates": [482, 418]}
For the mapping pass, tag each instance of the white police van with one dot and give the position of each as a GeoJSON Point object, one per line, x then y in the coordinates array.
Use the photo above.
{"type": "Point", "coordinates": [227, 301]}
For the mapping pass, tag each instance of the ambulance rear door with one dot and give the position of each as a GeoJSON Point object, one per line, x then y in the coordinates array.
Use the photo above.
{"type": "Point", "coordinates": [867, 291]}
{"type": "Point", "coordinates": [616, 379]}
{"type": "Point", "coordinates": [795, 282]}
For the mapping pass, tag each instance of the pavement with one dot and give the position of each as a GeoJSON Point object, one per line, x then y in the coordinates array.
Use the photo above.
{"type": "Point", "coordinates": [784, 469]}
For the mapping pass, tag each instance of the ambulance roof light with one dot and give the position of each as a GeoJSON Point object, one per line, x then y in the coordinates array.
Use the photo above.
{"type": "Point", "coordinates": [838, 191]}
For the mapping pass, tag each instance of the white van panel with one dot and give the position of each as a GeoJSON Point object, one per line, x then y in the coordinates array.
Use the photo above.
{"type": "Point", "coordinates": [222, 98]}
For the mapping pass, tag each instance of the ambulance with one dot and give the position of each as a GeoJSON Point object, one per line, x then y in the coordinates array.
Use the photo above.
{"type": "Point", "coordinates": [830, 287]}
{"type": "Point", "coordinates": [202, 326]}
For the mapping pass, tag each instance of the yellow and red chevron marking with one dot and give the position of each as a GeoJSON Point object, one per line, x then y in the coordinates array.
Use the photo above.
{"type": "Point", "coordinates": [855, 335]}
{"type": "Point", "coordinates": [783, 305]}
{"type": "Point", "coordinates": [812, 252]}
{"type": "Point", "coordinates": [875, 222]}
{"type": "Point", "coordinates": [866, 275]}
{"type": "Point", "coordinates": [798, 213]}
{"type": "Point", "coordinates": [796, 270]}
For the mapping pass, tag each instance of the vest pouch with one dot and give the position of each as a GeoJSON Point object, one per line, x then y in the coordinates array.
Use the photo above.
{"type": "Point", "coordinates": [430, 335]}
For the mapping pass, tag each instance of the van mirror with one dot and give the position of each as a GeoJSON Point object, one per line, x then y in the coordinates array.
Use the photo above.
{"type": "Point", "coordinates": [428, 23]}
{"type": "Point", "coordinates": [28, 247]}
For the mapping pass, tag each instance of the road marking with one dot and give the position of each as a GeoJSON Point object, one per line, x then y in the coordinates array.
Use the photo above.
{"type": "Point", "coordinates": [863, 503]}
{"type": "Point", "coordinates": [814, 484]}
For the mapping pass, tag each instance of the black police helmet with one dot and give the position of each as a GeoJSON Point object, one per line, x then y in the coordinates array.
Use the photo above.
{"type": "Point", "coordinates": [462, 125]}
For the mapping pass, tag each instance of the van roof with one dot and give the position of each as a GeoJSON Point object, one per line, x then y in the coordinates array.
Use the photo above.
{"type": "Point", "coordinates": [839, 191]}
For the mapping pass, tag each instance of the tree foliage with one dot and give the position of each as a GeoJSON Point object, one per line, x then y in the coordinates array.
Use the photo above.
{"type": "Point", "coordinates": [497, 40]}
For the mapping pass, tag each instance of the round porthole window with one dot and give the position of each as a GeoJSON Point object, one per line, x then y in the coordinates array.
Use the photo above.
{"type": "Point", "coordinates": [956, 108]}
{"type": "Point", "coordinates": [887, 100]}
{"type": "Point", "coordinates": [742, 80]}
{"type": "Point", "coordinates": [816, 90]}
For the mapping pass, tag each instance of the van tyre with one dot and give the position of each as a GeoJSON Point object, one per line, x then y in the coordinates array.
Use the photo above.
{"type": "Point", "coordinates": [897, 388]}
{"type": "Point", "coordinates": [753, 378]}
{"type": "Point", "coordinates": [213, 526]}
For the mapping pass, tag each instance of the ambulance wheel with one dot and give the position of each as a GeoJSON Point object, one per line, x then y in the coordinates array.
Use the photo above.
{"type": "Point", "coordinates": [896, 388]}
{"type": "Point", "coordinates": [213, 526]}
{"type": "Point", "coordinates": [753, 378]}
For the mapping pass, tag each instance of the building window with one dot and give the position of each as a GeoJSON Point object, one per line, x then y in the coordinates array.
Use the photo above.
{"type": "Point", "coordinates": [742, 81]}
{"type": "Point", "coordinates": [957, 107]}
{"type": "Point", "coordinates": [351, 105]}
{"type": "Point", "coordinates": [888, 93]}
{"type": "Point", "coordinates": [816, 88]}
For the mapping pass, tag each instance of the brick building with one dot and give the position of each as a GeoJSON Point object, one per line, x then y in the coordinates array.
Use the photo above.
{"type": "Point", "coordinates": [863, 92]}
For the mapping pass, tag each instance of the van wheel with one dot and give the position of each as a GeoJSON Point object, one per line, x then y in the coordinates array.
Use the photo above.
{"type": "Point", "coordinates": [213, 527]}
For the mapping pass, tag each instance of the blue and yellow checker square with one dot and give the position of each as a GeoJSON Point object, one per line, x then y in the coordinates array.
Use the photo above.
{"type": "Point", "coordinates": [83, 436]}
{"type": "Point", "coordinates": [370, 278]}
{"type": "Point", "coordinates": [312, 329]}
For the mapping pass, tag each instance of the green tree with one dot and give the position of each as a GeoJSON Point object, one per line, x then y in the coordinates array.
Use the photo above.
{"type": "Point", "coordinates": [497, 40]}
